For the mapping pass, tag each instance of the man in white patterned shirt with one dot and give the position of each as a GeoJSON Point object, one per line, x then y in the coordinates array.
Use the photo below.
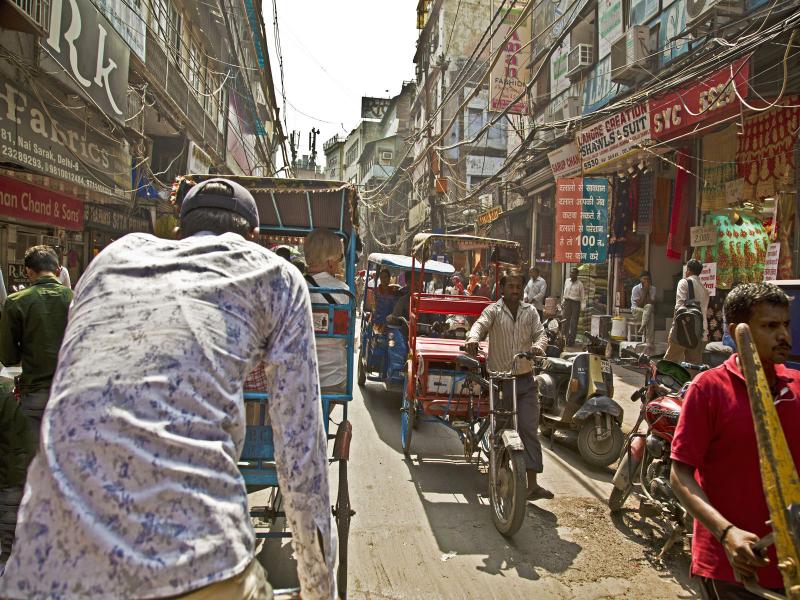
{"type": "Point", "coordinates": [573, 303]}
{"type": "Point", "coordinates": [512, 327]}
{"type": "Point", "coordinates": [135, 491]}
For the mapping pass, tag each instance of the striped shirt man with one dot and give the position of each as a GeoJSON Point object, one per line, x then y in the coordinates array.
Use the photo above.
{"type": "Point", "coordinates": [509, 335]}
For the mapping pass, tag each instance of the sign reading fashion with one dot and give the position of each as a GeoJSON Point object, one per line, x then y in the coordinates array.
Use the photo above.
{"type": "Point", "coordinates": [581, 220]}
{"type": "Point", "coordinates": [510, 75]}
{"type": "Point", "coordinates": [614, 137]}
{"type": "Point", "coordinates": [85, 45]}
{"type": "Point", "coordinates": [31, 203]}
{"type": "Point", "coordinates": [51, 142]}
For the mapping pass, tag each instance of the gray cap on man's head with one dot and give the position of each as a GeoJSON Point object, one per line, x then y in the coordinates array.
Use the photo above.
{"type": "Point", "coordinates": [238, 200]}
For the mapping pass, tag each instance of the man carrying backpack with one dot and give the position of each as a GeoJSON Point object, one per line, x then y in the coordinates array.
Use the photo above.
{"type": "Point", "coordinates": [689, 332]}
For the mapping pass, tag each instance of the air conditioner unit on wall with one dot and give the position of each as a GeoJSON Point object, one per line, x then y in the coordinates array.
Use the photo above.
{"type": "Point", "coordinates": [387, 155]}
{"type": "Point", "coordinates": [630, 54]}
{"type": "Point", "coordinates": [580, 58]}
{"type": "Point", "coordinates": [706, 15]}
{"type": "Point", "coordinates": [573, 107]}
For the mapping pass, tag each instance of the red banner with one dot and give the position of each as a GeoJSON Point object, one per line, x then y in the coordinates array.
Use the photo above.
{"type": "Point", "coordinates": [31, 203]}
{"type": "Point", "coordinates": [708, 101]}
{"type": "Point", "coordinates": [569, 194]}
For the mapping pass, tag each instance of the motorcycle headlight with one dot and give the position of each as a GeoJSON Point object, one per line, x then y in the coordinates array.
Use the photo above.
{"type": "Point", "coordinates": [553, 325]}
{"type": "Point", "coordinates": [391, 343]}
{"type": "Point", "coordinates": [391, 336]}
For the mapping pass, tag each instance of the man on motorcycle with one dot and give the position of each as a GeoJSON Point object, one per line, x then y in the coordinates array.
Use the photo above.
{"type": "Point", "coordinates": [716, 473]}
{"type": "Point", "coordinates": [513, 326]}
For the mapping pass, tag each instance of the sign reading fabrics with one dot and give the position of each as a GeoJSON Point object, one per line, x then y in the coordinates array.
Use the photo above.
{"type": "Point", "coordinates": [581, 220]}
{"type": "Point", "coordinates": [614, 137]}
{"type": "Point", "coordinates": [511, 75]}
{"type": "Point", "coordinates": [85, 45]}
{"type": "Point", "coordinates": [53, 143]}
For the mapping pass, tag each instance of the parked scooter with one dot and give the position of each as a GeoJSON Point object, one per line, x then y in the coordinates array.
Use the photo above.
{"type": "Point", "coordinates": [576, 393]}
{"type": "Point", "coordinates": [644, 467]}
{"type": "Point", "coordinates": [554, 327]}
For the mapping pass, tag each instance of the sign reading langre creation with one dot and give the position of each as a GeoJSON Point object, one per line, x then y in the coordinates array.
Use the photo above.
{"type": "Point", "coordinates": [614, 137]}
{"type": "Point", "coordinates": [594, 221]}
{"type": "Point", "coordinates": [511, 75]}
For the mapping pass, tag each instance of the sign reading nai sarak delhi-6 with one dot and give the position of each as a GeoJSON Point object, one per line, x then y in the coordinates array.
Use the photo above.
{"type": "Point", "coordinates": [32, 203]}
{"type": "Point", "coordinates": [85, 44]}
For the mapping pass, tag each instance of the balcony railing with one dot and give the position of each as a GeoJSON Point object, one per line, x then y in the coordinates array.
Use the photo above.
{"type": "Point", "coordinates": [32, 16]}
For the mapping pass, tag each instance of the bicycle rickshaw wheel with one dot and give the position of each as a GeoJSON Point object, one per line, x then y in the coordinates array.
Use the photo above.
{"type": "Point", "coordinates": [509, 494]}
{"type": "Point", "coordinates": [343, 515]}
{"type": "Point", "coordinates": [408, 413]}
{"type": "Point", "coordinates": [362, 374]}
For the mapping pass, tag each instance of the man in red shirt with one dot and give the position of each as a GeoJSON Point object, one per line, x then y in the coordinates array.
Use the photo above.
{"type": "Point", "coordinates": [715, 471]}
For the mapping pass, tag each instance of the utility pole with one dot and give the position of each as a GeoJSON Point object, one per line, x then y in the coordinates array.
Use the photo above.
{"type": "Point", "coordinates": [312, 144]}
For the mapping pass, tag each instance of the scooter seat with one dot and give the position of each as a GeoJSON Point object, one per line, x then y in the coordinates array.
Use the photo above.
{"type": "Point", "coordinates": [556, 365]}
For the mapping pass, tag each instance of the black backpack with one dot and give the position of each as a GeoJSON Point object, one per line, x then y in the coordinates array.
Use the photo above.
{"type": "Point", "coordinates": [688, 325]}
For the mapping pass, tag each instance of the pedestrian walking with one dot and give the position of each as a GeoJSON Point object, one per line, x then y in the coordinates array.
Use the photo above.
{"type": "Point", "coordinates": [573, 302]}
{"type": "Point", "coordinates": [137, 493]}
{"type": "Point", "coordinates": [536, 290]}
{"type": "Point", "coordinates": [715, 469]}
{"type": "Point", "coordinates": [513, 326]}
{"type": "Point", "coordinates": [62, 272]}
{"type": "Point", "coordinates": [643, 299]}
{"type": "Point", "coordinates": [691, 297]}
{"type": "Point", "coordinates": [31, 331]}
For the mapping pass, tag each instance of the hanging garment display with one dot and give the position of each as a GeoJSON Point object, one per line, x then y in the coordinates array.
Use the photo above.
{"type": "Point", "coordinates": [661, 208]}
{"type": "Point", "coordinates": [645, 212]}
{"type": "Point", "coordinates": [679, 221]}
{"type": "Point", "coordinates": [740, 252]}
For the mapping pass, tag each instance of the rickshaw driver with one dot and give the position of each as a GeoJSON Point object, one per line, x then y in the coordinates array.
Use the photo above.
{"type": "Point", "coordinates": [401, 305]}
{"type": "Point", "coordinates": [514, 326]}
{"type": "Point", "coordinates": [383, 298]}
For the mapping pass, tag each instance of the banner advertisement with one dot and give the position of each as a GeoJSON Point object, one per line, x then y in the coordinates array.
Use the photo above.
{"type": "Point", "coordinates": [117, 220]}
{"type": "Point", "coordinates": [559, 64]}
{"type": "Point", "coordinates": [581, 220]}
{"type": "Point", "coordinates": [52, 142]}
{"type": "Point", "coordinates": [708, 277]}
{"type": "Point", "coordinates": [609, 25]}
{"type": "Point", "coordinates": [594, 221]}
{"type": "Point", "coordinates": [565, 161]}
{"type": "Point", "coordinates": [706, 102]}
{"type": "Point", "coordinates": [31, 203]}
{"type": "Point", "coordinates": [614, 137]}
{"type": "Point", "coordinates": [511, 75]}
{"type": "Point", "coordinates": [568, 219]}
{"type": "Point", "coordinates": [771, 263]}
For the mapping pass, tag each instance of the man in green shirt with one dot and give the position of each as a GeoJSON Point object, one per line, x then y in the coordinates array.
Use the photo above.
{"type": "Point", "coordinates": [31, 330]}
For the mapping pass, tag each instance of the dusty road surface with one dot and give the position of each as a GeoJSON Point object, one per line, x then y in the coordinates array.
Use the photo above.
{"type": "Point", "coordinates": [423, 528]}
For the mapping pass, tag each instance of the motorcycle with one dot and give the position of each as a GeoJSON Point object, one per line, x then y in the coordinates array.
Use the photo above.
{"type": "Point", "coordinates": [576, 394]}
{"type": "Point", "coordinates": [645, 462]}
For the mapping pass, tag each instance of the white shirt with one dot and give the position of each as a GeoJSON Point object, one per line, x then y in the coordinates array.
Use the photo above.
{"type": "Point", "coordinates": [507, 335]}
{"type": "Point", "coordinates": [700, 294]}
{"type": "Point", "coordinates": [573, 290]}
{"type": "Point", "coordinates": [63, 277]}
{"type": "Point", "coordinates": [535, 291]}
{"type": "Point", "coordinates": [135, 491]}
{"type": "Point", "coordinates": [331, 352]}
{"type": "Point", "coordinates": [636, 295]}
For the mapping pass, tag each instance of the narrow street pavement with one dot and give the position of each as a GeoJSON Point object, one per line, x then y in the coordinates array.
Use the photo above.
{"type": "Point", "coordinates": [423, 527]}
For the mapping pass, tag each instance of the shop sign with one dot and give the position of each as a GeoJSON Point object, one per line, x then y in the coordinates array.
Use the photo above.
{"type": "Point", "coordinates": [704, 235]}
{"type": "Point", "coordinates": [566, 161]}
{"type": "Point", "coordinates": [614, 137]}
{"type": "Point", "coordinates": [672, 23]}
{"type": "Point", "coordinates": [17, 279]}
{"type": "Point", "coordinates": [417, 214]}
{"type": "Point", "coordinates": [581, 220]}
{"type": "Point", "coordinates": [85, 45]}
{"type": "Point", "coordinates": [594, 221]}
{"type": "Point", "coordinates": [706, 102]}
{"type": "Point", "coordinates": [490, 216]}
{"type": "Point", "coordinates": [510, 75]}
{"type": "Point", "coordinates": [642, 11]}
{"type": "Point", "coordinates": [51, 142]}
{"type": "Point", "coordinates": [198, 162]}
{"type": "Point", "coordinates": [708, 277]}
{"type": "Point", "coordinates": [609, 17]}
{"type": "Point", "coordinates": [771, 262]}
{"type": "Point", "coordinates": [599, 89]}
{"type": "Point", "coordinates": [559, 81]}
{"type": "Point", "coordinates": [31, 203]}
{"type": "Point", "coordinates": [117, 220]}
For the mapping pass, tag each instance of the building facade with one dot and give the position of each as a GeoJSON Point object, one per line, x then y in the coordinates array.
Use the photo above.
{"type": "Point", "coordinates": [95, 128]}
